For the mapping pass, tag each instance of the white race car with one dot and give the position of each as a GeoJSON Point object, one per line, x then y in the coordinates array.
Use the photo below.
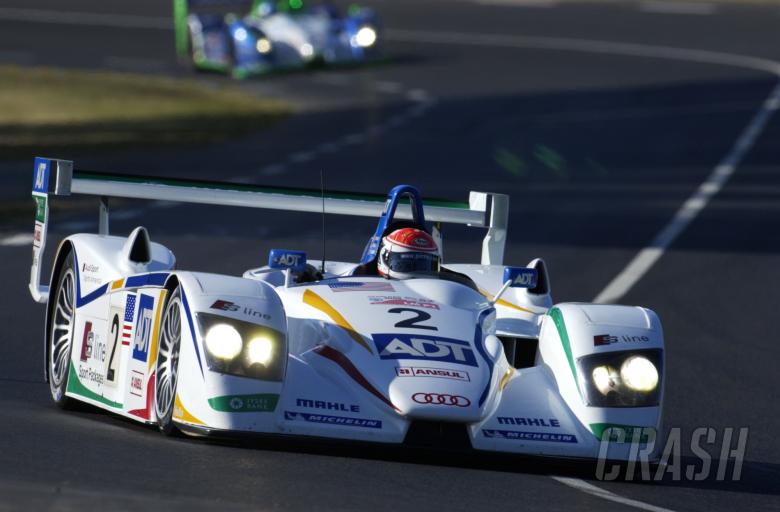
{"type": "Point", "coordinates": [475, 354]}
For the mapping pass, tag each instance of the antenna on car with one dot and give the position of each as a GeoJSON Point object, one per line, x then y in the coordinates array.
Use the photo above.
{"type": "Point", "coordinates": [322, 188]}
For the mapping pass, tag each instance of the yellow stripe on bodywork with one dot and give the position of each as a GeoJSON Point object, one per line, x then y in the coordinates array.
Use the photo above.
{"type": "Point", "coordinates": [117, 284]}
{"type": "Point", "coordinates": [182, 414]}
{"type": "Point", "coordinates": [315, 301]}
{"type": "Point", "coordinates": [505, 378]}
{"type": "Point", "coordinates": [502, 302]}
{"type": "Point", "coordinates": [156, 330]}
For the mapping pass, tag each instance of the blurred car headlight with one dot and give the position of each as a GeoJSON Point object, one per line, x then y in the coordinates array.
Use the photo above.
{"type": "Point", "coordinates": [621, 379]}
{"type": "Point", "coordinates": [243, 349]}
{"type": "Point", "coordinates": [365, 37]}
{"type": "Point", "coordinates": [306, 50]}
{"type": "Point", "coordinates": [264, 45]}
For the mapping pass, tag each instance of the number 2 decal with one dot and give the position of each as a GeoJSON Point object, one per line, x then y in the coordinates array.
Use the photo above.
{"type": "Point", "coordinates": [413, 323]}
{"type": "Point", "coordinates": [110, 370]}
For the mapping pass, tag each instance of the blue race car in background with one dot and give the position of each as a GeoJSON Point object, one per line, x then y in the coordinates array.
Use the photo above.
{"type": "Point", "coordinates": [273, 35]}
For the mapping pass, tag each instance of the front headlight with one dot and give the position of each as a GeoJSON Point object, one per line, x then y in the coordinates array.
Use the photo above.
{"type": "Point", "coordinates": [365, 37]}
{"type": "Point", "coordinates": [621, 379]}
{"type": "Point", "coordinates": [306, 50]}
{"type": "Point", "coordinates": [243, 349]}
{"type": "Point", "coordinates": [264, 46]}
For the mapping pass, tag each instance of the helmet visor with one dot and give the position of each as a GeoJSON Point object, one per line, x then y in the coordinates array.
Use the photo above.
{"type": "Point", "coordinates": [412, 262]}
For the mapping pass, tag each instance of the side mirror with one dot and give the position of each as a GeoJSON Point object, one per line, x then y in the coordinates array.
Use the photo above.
{"type": "Point", "coordinates": [284, 259]}
{"type": "Point", "coordinates": [520, 277]}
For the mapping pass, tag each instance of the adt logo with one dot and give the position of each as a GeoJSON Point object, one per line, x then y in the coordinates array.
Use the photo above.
{"type": "Point", "coordinates": [41, 179]}
{"type": "Point", "coordinates": [417, 346]}
{"type": "Point", "coordinates": [294, 260]}
{"type": "Point", "coordinates": [143, 328]}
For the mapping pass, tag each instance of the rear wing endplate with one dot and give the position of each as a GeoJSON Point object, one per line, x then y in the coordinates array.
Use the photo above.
{"type": "Point", "coordinates": [59, 178]}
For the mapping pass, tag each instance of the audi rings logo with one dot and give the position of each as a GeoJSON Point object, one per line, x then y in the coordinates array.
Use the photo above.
{"type": "Point", "coordinates": [439, 399]}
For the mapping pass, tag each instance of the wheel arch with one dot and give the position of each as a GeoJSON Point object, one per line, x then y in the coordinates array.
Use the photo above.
{"type": "Point", "coordinates": [63, 251]}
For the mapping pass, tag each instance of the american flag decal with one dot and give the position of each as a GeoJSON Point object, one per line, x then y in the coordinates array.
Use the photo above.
{"type": "Point", "coordinates": [127, 326]}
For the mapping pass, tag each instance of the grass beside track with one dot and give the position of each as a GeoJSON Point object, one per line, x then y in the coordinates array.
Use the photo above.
{"type": "Point", "coordinates": [47, 111]}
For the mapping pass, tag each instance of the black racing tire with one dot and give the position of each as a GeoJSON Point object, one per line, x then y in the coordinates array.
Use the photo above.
{"type": "Point", "coordinates": [167, 368]}
{"type": "Point", "coordinates": [60, 333]}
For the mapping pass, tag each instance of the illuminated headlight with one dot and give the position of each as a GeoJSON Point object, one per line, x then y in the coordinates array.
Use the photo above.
{"type": "Point", "coordinates": [243, 349]}
{"type": "Point", "coordinates": [307, 50]}
{"type": "Point", "coordinates": [260, 351]}
{"type": "Point", "coordinates": [240, 34]}
{"type": "Point", "coordinates": [621, 379]}
{"type": "Point", "coordinates": [264, 46]}
{"type": "Point", "coordinates": [223, 342]}
{"type": "Point", "coordinates": [639, 374]}
{"type": "Point", "coordinates": [365, 37]}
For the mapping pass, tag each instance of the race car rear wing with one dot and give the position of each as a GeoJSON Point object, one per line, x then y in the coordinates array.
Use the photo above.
{"type": "Point", "coordinates": [59, 178]}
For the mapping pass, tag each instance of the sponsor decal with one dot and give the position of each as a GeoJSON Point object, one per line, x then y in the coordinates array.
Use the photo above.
{"type": "Point", "coordinates": [445, 373]}
{"type": "Point", "coordinates": [224, 305]}
{"type": "Point", "coordinates": [40, 208]}
{"type": "Point", "coordinates": [87, 373]}
{"type": "Point", "coordinates": [89, 267]}
{"type": "Point", "coordinates": [322, 404]}
{"type": "Point", "coordinates": [127, 325]}
{"type": "Point", "coordinates": [41, 180]}
{"type": "Point", "coordinates": [137, 383]}
{"type": "Point", "coordinates": [86, 343]}
{"type": "Point", "coordinates": [529, 422]}
{"type": "Point", "coordinates": [422, 347]}
{"type": "Point", "coordinates": [441, 399]}
{"type": "Point", "coordinates": [550, 437]}
{"type": "Point", "coordinates": [37, 234]}
{"type": "Point", "coordinates": [286, 259]}
{"type": "Point", "coordinates": [264, 402]}
{"type": "Point", "coordinates": [92, 347]}
{"type": "Point", "coordinates": [606, 339]}
{"type": "Point", "coordinates": [143, 332]}
{"type": "Point", "coordinates": [621, 433]}
{"type": "Point", "coordinates": [359, 286]}
{"type": "Point", "coordinates": [395, 300]}
{"type": "Point", "coordinates": [333, 420]}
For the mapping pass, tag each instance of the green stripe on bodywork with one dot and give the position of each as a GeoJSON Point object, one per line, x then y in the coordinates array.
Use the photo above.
{"type": "Point", "coordinates": [265, 402]}
{"type": "Point", "coordinates": [560, 325]}
{"type": "Point", "coordinates": [40, 208]}
{"type": "Point", "coordinates": [216, 185]}
{"type": "Point", "coordinates": [598, 430]}
{"type": "Point", "coordinates": [77, 388]}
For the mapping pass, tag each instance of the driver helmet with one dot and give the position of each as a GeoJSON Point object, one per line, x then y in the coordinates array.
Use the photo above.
{"type": "Point", "coordinates": [406, 251]}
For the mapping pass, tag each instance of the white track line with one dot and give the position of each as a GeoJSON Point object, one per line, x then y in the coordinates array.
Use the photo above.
{"type": "Point", "coordinates": [584, 46]}
{"type": "Point", "coordinates": [676, 7]}
{"type": "Point", "coordinates": [646, 258]}
{"type": "Point", "coordinates": [591, 489]}
{"type": "Point", "coordinates": [17, 240]}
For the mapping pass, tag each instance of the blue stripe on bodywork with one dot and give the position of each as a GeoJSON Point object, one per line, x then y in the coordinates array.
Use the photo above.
{"type": "Point", "coordinates": [96, 294]}
{"type": "Point", "coordinates": [153, 279]}
{"type": "Point", "coordinates": [192, 330]}
{"type": "Point", "coordinates": [480, 344]}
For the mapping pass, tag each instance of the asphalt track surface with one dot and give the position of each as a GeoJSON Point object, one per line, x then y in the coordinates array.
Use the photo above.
{"type": "Point", "coordinates": [598, 145]}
